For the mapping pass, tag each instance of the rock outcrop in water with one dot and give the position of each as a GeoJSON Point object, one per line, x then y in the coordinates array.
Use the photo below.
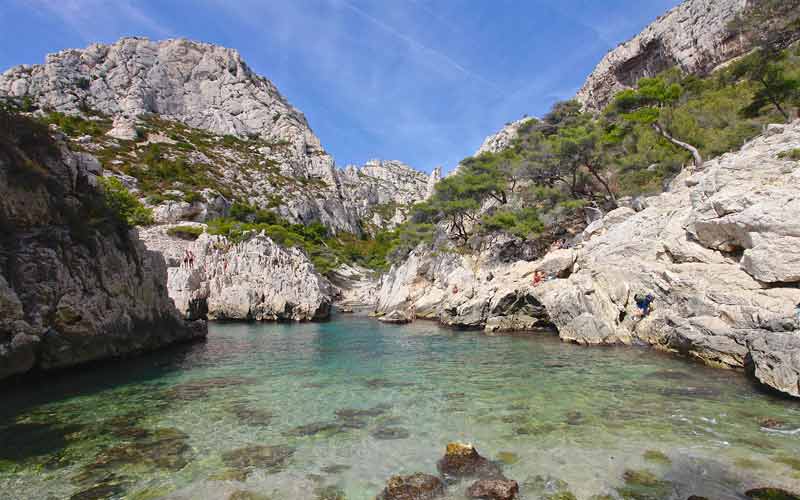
{"type": "Point", "coordinates": [255, 279]}
{"type": "Point", "coordinates": [694, 36]}
{"type": "Point", "coordinates": [74, 287]}
{"type": "Point", "coordinates": [719, 251]}
{"type": "Point", "coordinates": [278, 163]}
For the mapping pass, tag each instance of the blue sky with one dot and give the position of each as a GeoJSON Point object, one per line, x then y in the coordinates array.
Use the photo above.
{"type": "Point", "coordinates": [422, 81]}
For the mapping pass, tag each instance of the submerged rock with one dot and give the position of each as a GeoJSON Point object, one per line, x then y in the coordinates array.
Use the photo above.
{"type": "Point", "coordinates": [494, 489]}
{"type": "Point", "coordinates": [368, 412]}
{"type": "Point", "coordinates": [112, 486]}
{"type": "Point", "coordinates": [463, 460]}
{"type": "Point", "coordinates": [251, 416]}
{"type": "Point", "coordinates": [508, 457]}
{"type": "Point", "coordinates": [771, 494]}
{"type": "Point", "coordinates": [201, 389]}
{"type": "Point", "coordinates": [414, 487]}
{"type": "Point", "coordinates": [329, 493]}
{"type": "Point", "coordinates": [386, 433]}
{"type": "Point", "coordinates": [314, 428]}
{"type": "Point", "coordinates": [643, 484]}
{"type": "Point", "coordinates": [270, 458]}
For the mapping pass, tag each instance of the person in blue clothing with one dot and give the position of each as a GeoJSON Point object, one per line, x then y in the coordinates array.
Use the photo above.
{"type": "Point", "coordinates": [643, 302]}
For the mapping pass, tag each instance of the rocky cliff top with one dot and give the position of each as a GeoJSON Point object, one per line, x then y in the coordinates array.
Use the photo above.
{"type": "Point", "coordinates": [502, 139]}
{"type": "Point", "coordinates": [277, 161]}
{"type": "Point", "coordinates": [693, 36]}
{"type": "Point", "coordinates": [202, 85]}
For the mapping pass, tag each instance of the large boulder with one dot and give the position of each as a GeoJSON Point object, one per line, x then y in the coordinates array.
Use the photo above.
{"type": "Point", "coordinates": [463, 460]}
{"type": "Point", "coordinates": [494, 489]}
{"type": "Point", "coordinates": [413, 487]}
{"type": "Point", "coordinates": [255, 279]}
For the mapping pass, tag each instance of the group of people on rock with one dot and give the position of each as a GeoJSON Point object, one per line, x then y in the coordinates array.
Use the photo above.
{"type": "Point", "coordinates": [188, 258]}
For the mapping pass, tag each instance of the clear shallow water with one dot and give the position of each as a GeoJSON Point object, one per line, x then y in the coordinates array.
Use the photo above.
{"type": "Point", "coordinates": [255, 409]}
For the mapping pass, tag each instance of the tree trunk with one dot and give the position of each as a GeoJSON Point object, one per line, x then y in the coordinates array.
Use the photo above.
{"type": "Point", "coordinates": [698, 160]}
{"type": "Point", "coordinates": [602, 181]}
{"type": "Point", "coordinates": [774, 100]}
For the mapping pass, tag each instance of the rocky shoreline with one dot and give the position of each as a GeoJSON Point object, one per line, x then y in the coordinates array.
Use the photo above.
{"type": "Point", "coordinates": [718, 250]}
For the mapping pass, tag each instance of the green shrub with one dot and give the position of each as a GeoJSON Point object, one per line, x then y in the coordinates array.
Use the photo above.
{"type": "Point", "coordinates": [124, 205]}
{"type": "Point", "coordinates": [193, 197]}
{"type": "Point", "coordinates": [76, 126]}
{"type": "Point", "coordinates": [185, 232]}
{"type": "Point", "coordinates": [792, 154]}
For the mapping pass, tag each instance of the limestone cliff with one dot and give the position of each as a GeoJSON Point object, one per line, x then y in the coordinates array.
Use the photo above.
{"type": "Point", "coordinates": [382, 192]}
{"type": "Point", "coordinates": [143, 87]}
{"type": "Point", "coordinates": [74, 285]}
{"type": "Point", "coordinates": [693, 36]}
{"type": "Point", "coordinates": [718, 250]}
{"type": "Point", "coordinates": [255, 279]}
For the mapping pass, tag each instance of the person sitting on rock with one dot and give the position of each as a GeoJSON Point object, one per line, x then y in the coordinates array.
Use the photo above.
{"type": "Point", "coordinates": [538, 277]}
{"type": "Point", "coordinates": [643, 302]}
{"type": "Point", "coordinates": [455, 289]}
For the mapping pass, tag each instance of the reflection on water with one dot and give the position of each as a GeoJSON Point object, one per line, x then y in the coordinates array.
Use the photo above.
{"type": "Point", "coordinates": [332, 410]}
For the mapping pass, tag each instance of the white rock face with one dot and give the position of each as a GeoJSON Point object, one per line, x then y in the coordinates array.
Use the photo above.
{"type": "Point", "coordinates": [499, 141]}
{"type": "Point", "coordinates": [692, 35]}
{"type": "Point", "coordinates": [502, 139]}
{"type": "Point", "coordinates": [211, 88]}
{"type": "Point", "coordinates": [253, 280]}
{"type": "Point", "coordinates": [384, 184]}
{"type": "Point", "coordinates": [719, 251]}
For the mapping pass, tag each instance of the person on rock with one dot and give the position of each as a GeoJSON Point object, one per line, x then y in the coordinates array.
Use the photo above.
{"type": "Point", "coordinates": [538, 277]}
{"type": "Point", "coordinates": [643, 302]}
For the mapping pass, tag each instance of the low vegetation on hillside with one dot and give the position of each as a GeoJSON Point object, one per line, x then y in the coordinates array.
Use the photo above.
{"type": "Point", "coordinates": [30, 154]}
{"type": "Point", "coordinates": [538, 188]}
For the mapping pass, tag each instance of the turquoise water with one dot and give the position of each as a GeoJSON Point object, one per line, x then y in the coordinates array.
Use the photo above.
{"type": "Point", "coordinates": [332, 410]}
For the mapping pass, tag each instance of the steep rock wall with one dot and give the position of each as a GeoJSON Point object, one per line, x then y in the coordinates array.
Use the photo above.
{"type": "Point", "coordinates": [693, 36]}
{"type": "Point", "coordinates": [72, 288]}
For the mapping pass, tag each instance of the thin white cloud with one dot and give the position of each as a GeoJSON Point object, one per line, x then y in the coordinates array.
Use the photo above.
{"type": "Point", "coordinates": [416, 45]}
{"type": "Point", "coordinates": [94, 20]}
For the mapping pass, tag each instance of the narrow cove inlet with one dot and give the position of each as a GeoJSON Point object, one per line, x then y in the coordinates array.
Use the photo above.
{"type": "Point", "coordinates": [332, 410]}
{"type": "Point", "coordinates": [532, 250]}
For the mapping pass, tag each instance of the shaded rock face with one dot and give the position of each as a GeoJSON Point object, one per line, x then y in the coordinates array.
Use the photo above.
{"type": "Point", "coordinates": [211, 88]}
{"type": "Point", "coordinates": [252, 280]}
{"type": "Point", "coordinates": [72, 291]}
{"type": "Point", "coordinates": [693, 36]}
{"type": "Point", "coordinates": [718, 251]}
